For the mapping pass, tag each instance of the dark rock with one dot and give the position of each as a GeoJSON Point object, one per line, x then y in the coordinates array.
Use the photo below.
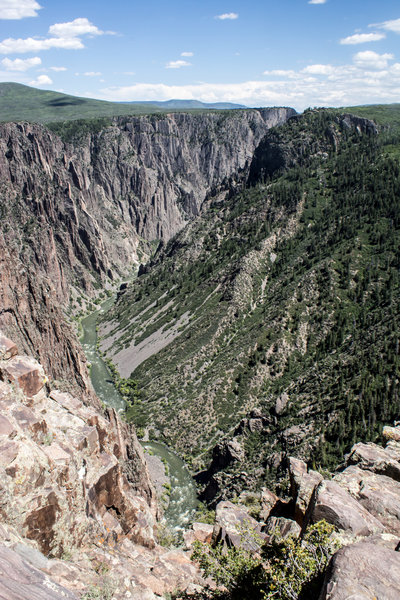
{"type": "Point", "coordinates": [280, 527]}
{"type": "Point", "coordinates": [303, 487]}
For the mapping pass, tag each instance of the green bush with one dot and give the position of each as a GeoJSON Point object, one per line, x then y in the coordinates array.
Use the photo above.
{"type": "Point", "coordinates": [285, 569]}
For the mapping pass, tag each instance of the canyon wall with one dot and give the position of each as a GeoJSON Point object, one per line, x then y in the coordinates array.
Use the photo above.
{"type": "Point", "coordinates": [73, 214]}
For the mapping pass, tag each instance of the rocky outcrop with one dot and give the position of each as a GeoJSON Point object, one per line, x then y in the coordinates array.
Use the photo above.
{"type": "Point", "coordinates": [76, 501]}
{"type": "Point", "coordinates": [363, 570]}
{"type": "Point", "coordinates": [273, 154]}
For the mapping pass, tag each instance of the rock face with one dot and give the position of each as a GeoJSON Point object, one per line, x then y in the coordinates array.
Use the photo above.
{"type": "Point", "coordinates": [363, 571]}
{"type": "Point", "coordinates": [74, 484]}
{"type": "Point", "coordinates": [71, 213]}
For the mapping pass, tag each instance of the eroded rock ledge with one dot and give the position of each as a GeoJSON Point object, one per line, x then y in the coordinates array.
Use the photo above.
{"type": "Point", "coordinates": [77, 508]}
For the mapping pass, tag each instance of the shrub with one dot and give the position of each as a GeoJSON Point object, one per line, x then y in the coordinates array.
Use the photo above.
{"type": "Point", "coordinates": [285, 569]}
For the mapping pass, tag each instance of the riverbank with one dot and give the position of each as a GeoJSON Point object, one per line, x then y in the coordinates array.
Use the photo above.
{"type": "Point", "coordinates": [176, 484]}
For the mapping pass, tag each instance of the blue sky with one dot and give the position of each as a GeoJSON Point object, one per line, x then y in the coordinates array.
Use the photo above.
{"type": "Point", "coordinates": [296, 53]}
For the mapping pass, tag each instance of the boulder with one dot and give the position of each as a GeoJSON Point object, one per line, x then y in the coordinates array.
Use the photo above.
{"type": "Point", "coordinates": [235, 527]}
{"type": "Point", "coordinates": [391, 433]}
{"type": "Point", "coordinates": [269, 500]}
{"type": "Point", "coordinates": [26, 373]}
{"type": "Point", "coordinates": [303, 486]}
{"type": "Point", "coordinates": [281, 403]}
{"type": "Point", "coordinates": [379, 494]}
{"type": "Point", "coordinates": [7, 348]}
{"type": "Point", "coordinates": [363, 571]}
{"type": "Point", "coordinates": [336, 506]}
{"type": "Point", "coordinates": [201, 532]}
{"type": "Point", "coordinates": [279, 527]}
{"type": "Point", "coordinates": [19, 580]}
{"type": "Point", "coordinates": [370, 457]}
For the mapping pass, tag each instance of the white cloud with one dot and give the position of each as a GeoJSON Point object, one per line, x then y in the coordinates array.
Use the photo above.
{"type": "Point", "coordinates": [372, 60]}
{"type": "Point", "coordinates": [362, 38]}
{"type": "Point", "coordinates": [64, 35]}
{"type": "Point", "coordinates": [187, 54]}
{"type": "Point", "coordinates": [41, 80]}
{"type": "Point", "coordinates": [393, 25]}
{"type": "Point", "coordinates": [75, 28]}
{"type": "Point", "coordinates": [317, 2]}
{"type": "Point", "coordinates": [92, 74]}
{"type": "Point", "coordinates": [58, 69]}
{"type": "Point", "coordinates": [21, 46]}
{"type": "Point", "coordinates": [318, 69]}
{"type": "Point", "coordinates": [342, 85]}
{"type": "Point", "coordinates": [19, 64]}
{"type": "Point", "coordinates": [18, 9]}
{"type": "Point", "coordinates": [281, 73]}
{"type": "Point", "coordinates": [177, 64]}
{"type": "Point", "coordinates": [227, 16]}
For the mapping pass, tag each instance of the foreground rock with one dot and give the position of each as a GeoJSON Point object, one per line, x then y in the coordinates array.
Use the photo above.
{"type": "Point", "coordinates": [77, 508]}
{"type": "Point", "coordinates": [363, 571]}
{"type": "Point", "coordinates": [19, 580]}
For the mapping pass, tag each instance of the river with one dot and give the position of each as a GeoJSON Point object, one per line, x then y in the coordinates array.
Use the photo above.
{"type": "Point", "coordinates": [183, 497]}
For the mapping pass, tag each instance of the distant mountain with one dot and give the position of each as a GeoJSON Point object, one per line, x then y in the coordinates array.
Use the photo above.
{"type": "Point", "coordinates": [188, 104]}
{"type": "Point", "coordinates": [23, 103]}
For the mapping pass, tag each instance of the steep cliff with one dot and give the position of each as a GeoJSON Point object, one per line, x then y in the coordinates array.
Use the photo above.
{"type": "Point", "coordinates": [263, 302]}
{"type": "Point", "coordinates": [73, 213]}
{"type": "Point", "coordinates": [77, 508]}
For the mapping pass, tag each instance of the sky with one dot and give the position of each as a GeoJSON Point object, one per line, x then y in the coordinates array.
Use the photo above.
{"type": "Point", "coordinates": [299, 53]}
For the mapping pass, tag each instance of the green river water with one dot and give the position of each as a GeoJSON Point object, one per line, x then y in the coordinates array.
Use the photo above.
{"type": "Point", "coordinates": [183, 498]}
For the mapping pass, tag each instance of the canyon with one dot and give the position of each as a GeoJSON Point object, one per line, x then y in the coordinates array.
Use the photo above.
{"type": "Point", "coordinates": [250, 251]}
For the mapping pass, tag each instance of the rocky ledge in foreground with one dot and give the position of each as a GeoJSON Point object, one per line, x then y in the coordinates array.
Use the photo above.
{"type": "Point", "coordinates": [361, 501]}
{"type": "Point", "coordinates": [77, 508]}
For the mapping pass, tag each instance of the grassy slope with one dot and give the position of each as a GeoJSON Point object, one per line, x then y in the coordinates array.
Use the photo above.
{"type": "Point", "coordinates": [291, 287]}
{"type": "Point", "coordinates": [22, 103]}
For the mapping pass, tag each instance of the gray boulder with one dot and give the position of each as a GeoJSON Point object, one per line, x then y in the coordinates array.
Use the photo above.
{"type": "Point", "coordinates": [336, 506]}
{"type": "Point", "coordinates": [370, 457]}
{"type": "Point", "coordinates": [378, 494]}
{"type": "Point", "coordinates": [363, 571]}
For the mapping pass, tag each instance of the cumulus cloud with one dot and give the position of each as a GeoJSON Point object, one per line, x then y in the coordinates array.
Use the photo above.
{"type": "Point", "coordinates": [227, 16]}
{"type": "Point", "coordinates": [317, 2]}
{"type": "Point", "coordinates": [75, 28]}
{"type": "Point", "coordinates": [362, 38]}
{"type": "Point", "coordinates": [64, 35]}
{"type": "Point", "coordinates": [372, 60]}
{"type": "Point", "coordinates": [316, 85]}
{"type": "Point", "coordinates": [92, 74]}
{"type": "Point", "coordinates": [58, 69]}
{"type": "Point", "coordinates": [41, 80]}
{"type": "Point", "coordinates": [187, 54]}
{"type": "Point", "coordinates": [393, 25]}
{"type": "Point", "coordinates": [318, 69]}
{"type": "Point", "coordinates": [22, 46]}
{"type": "Point", "coordinates": [282, 73]}
{"type": "Point", "coordinates": [18, 9]}
{"type": "Point", "coordinates": [19, 64]}
{"type": "Point", "coordinates": [177, 64]}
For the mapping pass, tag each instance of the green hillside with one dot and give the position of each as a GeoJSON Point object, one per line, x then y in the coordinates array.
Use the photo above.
{"type": "Point", "coordinates": [22, 103]}
{"type": "Point", "coordinates": [286, 293]}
